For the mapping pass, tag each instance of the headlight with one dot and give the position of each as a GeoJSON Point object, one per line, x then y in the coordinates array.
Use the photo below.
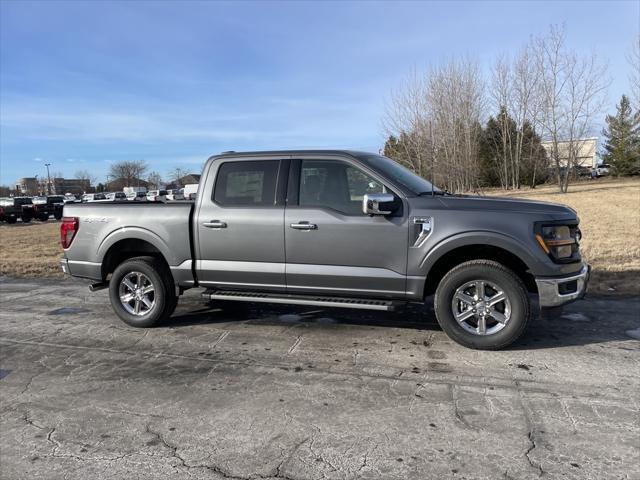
{"type": "Point", "coordinates": [559, 241]}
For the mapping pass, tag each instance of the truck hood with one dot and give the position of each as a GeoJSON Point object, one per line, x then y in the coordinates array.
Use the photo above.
{"type": "Point", "coordinates": [495, 204]}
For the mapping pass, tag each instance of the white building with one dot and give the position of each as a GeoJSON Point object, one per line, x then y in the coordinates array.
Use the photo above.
{"type": "Point", "coordinates": [585, 152]}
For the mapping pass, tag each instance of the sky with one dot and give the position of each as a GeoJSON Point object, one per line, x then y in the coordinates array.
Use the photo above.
{"type": "Point", "coordinates": [86, 84]}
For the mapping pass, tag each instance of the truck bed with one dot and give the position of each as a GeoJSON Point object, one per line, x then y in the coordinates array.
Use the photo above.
{"type": "Point", "coordinates": [105, 229]}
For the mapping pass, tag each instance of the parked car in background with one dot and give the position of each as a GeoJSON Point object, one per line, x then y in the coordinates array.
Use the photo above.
{"type": "Point", "coordinates": [71, 198]}
{"type": "Point", "coordinates": [175, 194]}
{"type": "Point", "coordinates": [189, 191]}
{"type": "Point", "coordinates": [128, 190]}
{"type": "Point", "coordinates": [333, 229]}
{"type": "Point", "coordinates": [603, 170]}
{"type": "Point", "coordinates": [116, 196]}
{"type": "Point", "coordinates": [583, 171]}
{"type": "Point", "coordinates": [45, 206]}
{"type": "Point", "coordinates": [94, 197]}
{"type": "Point", "coordinates": [14, 208]}
{"type": "Point", "coordinates": [137, 196]}
{"type": "Point", "coordinates": [157, 195]}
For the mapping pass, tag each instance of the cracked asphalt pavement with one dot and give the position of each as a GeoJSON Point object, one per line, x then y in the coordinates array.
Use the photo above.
{"type": "Point", "coordinates": [250, 391]}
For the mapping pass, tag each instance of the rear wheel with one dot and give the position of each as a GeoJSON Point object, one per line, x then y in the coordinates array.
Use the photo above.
{"type": "Point", "coordinates": [482, 304]}
{"type": "Point", "coordinates": [26, 218]}
{"type": "Point", "coordinates": [44, 218]}
{"type": "Point", "coordinates": [142, 292]}
{"type": "Point", "coordinates": [12, 219]}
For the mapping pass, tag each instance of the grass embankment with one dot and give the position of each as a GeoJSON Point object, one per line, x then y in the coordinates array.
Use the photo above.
{"type": "Point", "coordinates": [609, 212]}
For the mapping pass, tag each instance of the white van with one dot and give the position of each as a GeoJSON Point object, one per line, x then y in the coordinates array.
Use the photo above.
{"type": "Point", "coordinates": [189, 191]}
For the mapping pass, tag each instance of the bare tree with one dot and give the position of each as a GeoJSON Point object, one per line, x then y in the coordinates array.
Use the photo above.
{"type": "Point", "coordinates": [572, 93]}
{"type": "Point", "coordinates": [129, 171]}
{"type": "Point", "coordinates": [501, 93]}
{"type": "Point", "coordinates": [634, 77]}
{"type": "Point", "coordinates": [435, 118]}
{"type": "Point", "coordinates": [177, 174]}
{"type": "Point", "coordinates": [514, 93]}
{"type": "Point", "coordinates": [86, 175]}
{"type": "Point", "coordinates": [407, 119]}
{"type": "Point", "coordinates": [155, 180]}
{"type": "Point", "coordinates": [455, 102]}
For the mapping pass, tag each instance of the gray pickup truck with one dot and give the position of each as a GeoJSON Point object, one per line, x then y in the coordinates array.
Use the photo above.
{"type": "Point", "coordinates": [332, 229]}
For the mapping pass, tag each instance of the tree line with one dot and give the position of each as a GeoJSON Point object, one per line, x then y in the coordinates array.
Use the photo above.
{"type": "Point", "coordinates": [129, 173]}
{"type": "Point", "coordinates": [439, 122]}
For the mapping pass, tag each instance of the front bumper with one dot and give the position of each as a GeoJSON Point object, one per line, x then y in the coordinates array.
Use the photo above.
{"type": "Point", "coordinates": [554, 291]}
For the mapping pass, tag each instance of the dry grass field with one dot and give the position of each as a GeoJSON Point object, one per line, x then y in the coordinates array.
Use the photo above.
{"type": "Point", "coordinates": [30, 250]}
{"type": "Point", "coordinates": [609, 211]}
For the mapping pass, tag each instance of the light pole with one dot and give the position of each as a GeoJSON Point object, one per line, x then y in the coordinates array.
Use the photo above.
{"type": "Point", "coordinates": [48, 179]}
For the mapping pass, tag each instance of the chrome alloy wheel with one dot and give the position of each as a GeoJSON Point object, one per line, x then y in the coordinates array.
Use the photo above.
{"type": "Point", "coordinates": [137, 293]}
{"type": "Point", "coordinates": [481, 307]}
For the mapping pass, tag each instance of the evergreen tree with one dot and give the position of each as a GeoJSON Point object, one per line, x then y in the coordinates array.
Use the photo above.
{"type": "Point", "coordinates": [622, 134]}
{"type": "Point", "coordinates": [510, 157]}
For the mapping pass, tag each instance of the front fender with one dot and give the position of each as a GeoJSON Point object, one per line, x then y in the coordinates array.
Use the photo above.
{"type": "Point", "coordinates": [493, 239]}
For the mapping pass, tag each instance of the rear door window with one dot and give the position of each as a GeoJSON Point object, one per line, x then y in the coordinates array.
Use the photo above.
{"type": "Point", "coordinates": [247, 183]}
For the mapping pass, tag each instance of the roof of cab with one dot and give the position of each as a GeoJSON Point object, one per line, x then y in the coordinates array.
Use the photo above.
{"type": "Point", "coordinates": [352, 153]}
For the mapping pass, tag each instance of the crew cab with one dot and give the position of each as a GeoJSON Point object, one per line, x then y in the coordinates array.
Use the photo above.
{"type": "Point", "coordinates": [332, 229]}
{"type": "Point", "coordinates": [45, 206]}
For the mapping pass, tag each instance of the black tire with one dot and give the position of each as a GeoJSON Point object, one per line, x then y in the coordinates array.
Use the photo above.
{"type": "Point", "coordinates": [26, 219]}
{"type": "Point", "coordinates": [12, 220]}
{"type": "Point", "coordinates": [164, 297]}
{"type": "Point", "coordinates": [58, 216]}
{"type": "Point", "coordinates": [493, 273]}
{"type": "Point", "coordinates": [43, 218]}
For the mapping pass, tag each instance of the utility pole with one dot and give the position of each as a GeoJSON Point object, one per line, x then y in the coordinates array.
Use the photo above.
{"type": "Point", "coordinates": [48, 179]}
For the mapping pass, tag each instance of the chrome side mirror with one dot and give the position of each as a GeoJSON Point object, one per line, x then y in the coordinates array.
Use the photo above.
{"type": "Point", "coordinates": [378, 204]}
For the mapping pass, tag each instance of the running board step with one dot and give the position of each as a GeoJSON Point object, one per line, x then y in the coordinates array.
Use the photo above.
{"type": "Point", "coordinates": [360, 303]}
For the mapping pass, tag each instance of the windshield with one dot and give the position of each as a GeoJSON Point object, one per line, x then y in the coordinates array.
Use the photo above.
{"type": "Point", "coordinates": [401, 175]}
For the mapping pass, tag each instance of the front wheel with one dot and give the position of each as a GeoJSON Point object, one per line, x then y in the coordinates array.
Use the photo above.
{"type": "Point", "coordinates": [142, 292]}
{"type": "Point", "coordinates": [482, 304]}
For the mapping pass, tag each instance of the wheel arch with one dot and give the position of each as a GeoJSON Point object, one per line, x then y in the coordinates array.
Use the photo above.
{"type": "Point", "coordinates": [499, 248]}
{"type": "Point", "coordinates": [125, 249]}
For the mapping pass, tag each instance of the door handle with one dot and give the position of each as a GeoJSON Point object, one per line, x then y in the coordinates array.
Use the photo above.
{"type": "Point", "coordinates": [304, 226]}
{"type": "Point", "coordinates": [215, 224]}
